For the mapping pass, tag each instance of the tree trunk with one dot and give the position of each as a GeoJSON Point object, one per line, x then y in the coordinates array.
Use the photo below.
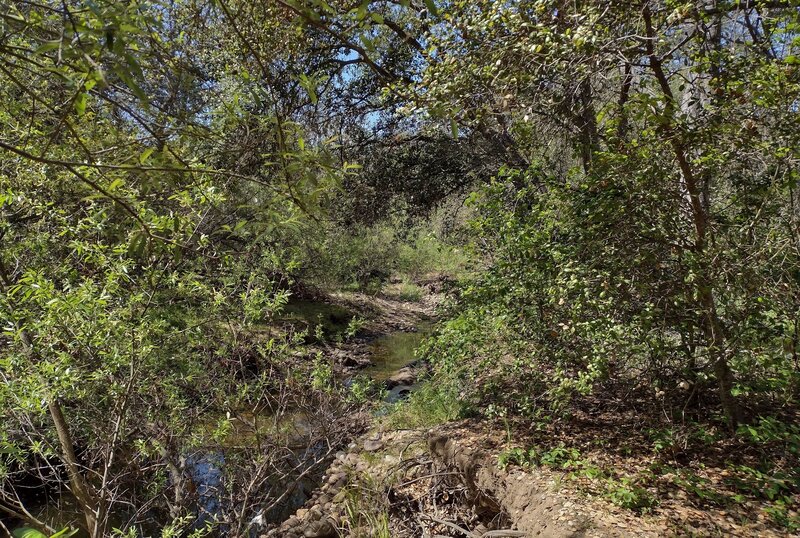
{"type": "Point", "coordinates": [587, 123]}
{"type": "Point", "coordinates": [699, 210]}
{"type": "Point", "coordinates": [76, 480]}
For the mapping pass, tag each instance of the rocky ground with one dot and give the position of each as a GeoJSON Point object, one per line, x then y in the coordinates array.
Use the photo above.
{"type": "Point", "coordinates": [446, 482]}
{"type": "Point", "coordinates": [382, 315]}
{"type": "Point", "coordinates": [435, 483]}
{"type": "Point", "coordinates": [449, 482]}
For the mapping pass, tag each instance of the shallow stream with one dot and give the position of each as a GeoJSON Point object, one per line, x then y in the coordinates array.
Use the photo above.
{"type": "Point", "coordinates": [388, 353]}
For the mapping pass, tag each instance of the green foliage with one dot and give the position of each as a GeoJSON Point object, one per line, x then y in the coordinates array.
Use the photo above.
{"type": "Point", "coordinates": [560, 457]}
{"type": "Point", "coordinates": [365, 515]}
{"type": "Point", "coordinates": [362, 389]}
{"type": "Point", "coordinates": [322, 373]}
{"type": "Point", "coordinates": [434, 403]}
{"type": "Point", "coordinates": [27, 532]}
{"type": "Point", "coordinates": [769, 430]}
{"type": "Point", "coordinates": [364, 258]}
{"type": "Point", "coordinates": [626, 494]}
{"type": "Point", "coordinates": [518, 456]}
{"type": "Point", "coordinates": [405, 291]}
{"type": "Point", "coordinates": [355, 325]}
{"type": "Point", "coordinates": [171, 169]}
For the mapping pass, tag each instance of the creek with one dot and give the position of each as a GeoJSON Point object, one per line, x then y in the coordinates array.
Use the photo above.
{"type": "Point", "coordinates": [388, 353]}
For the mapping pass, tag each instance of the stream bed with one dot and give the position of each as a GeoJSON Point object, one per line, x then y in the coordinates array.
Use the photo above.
{"type": "Point", "coordinates": [388, 354]}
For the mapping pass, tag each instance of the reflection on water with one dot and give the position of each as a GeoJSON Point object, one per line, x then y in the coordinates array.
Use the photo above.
{"type": "Point", "coordinates": [388, 353]}
{"type": "Point", "coordinates": [307, 315]}
{"type": "Point", "coordinates": [393, 351]}
{"type": "Point", "coordinates": [205, 471]}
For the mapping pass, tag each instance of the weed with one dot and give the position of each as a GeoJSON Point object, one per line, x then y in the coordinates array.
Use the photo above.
{"type": "Point", "coordinates": [434, 403]}
{"type": "Point", "coordinates": [700, 487]}
{"type": "Point", "coordinates": [626, 494]}
{"type": "Point", "coordinates": [410, 292]}
{"type": "Point", "coordinates": [362, 390]}
{"type": "Point", "coordinates": [562, 457]}
{"type": "Point", "coordinates": [365, 515]}
{"type": "Point", "coordinates": [518, 456]}
{"type": "Point", "coordinates": [322, 374]}
{"type": "Point", "coordinates": [355, 325]}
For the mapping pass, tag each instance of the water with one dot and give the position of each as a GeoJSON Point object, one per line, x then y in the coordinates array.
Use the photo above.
{"type": "Point", "coordinates": [307, 315]}
{"type": "Point", "coordinates": [389, 353]}
{"type": "Point", "coordinates": [393, 351]}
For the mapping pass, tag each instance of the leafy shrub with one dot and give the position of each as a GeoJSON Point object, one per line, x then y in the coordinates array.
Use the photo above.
{"type": "Point", "coordinates": [518, 456]}
{"type": "Point", "coordinates": [626, 494]}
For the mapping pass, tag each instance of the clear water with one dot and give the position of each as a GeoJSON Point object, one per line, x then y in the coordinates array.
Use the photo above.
{"type": "Point", "coordinates": [393, 351]}
{"type": "Point", "coordinates": [307, 315]}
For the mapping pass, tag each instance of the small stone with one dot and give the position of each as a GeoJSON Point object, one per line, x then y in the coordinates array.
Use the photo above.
{"type": "Point", "coordinates": [372, 445]}
{"type": "Point", "coordinates": [320, 529]}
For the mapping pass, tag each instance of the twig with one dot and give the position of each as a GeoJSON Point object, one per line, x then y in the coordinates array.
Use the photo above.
{"type": "Point", "coordinates": [451, 525]}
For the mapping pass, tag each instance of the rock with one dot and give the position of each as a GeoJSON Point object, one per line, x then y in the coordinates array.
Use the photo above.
{"type": "Point", "coordinates": [355, 362]}
{"type": "Point", "coordinates": [373, 445]}
{"type": "Point", "coordinates": [302, 513]}
{"type": "Point", "coordinates": [404, 376]}
{"type": "Point", "coordinates": [320, 529]}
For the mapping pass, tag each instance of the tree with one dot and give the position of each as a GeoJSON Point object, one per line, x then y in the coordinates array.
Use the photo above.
{"type": "Point", "coordinates": [135, 232]}
{"type": "Point", "coordinates": [679, 172]}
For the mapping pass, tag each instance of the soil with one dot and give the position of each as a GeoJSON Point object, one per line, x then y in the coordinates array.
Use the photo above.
{"type": "Point", "coordinates": [448, 481]}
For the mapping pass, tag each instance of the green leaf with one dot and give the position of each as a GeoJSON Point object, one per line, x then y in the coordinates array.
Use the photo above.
{"type": "Point", "coordinates": [137, 244]}
{"type": "Point", "coordinates": [126, 77]}
{"type": "Point", "coordinates": [80, 103]}
{"type": "Point", "coordinates": [114, 184]}
{"type": "Point", "coordinates": [27, 532]}
{"type": "Point", "coordinates": [65, 533]}
{"type": "Point", "coordinates": [432, 7]}
{"type": "Point", "coordinates": [48, 46]}
{"type": "Point", "coordinates": [145, 155]}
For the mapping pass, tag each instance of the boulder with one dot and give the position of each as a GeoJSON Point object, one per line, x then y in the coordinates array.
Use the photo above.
{"type": "Point", "coordinates": [404, 376]}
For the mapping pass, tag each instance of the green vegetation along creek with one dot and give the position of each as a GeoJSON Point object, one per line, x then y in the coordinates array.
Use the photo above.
{"type": "Point", "coordinates": [399, 268]}
{"type": "Point", "coordinates": [387, 354]}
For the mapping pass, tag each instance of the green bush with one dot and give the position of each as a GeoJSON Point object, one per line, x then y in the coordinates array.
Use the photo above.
{"type": "Point", "coordinates": [436, 402]}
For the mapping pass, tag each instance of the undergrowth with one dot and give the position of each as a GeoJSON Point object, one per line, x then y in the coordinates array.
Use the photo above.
{"type": "Point", "coordinates": [436, 402]}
